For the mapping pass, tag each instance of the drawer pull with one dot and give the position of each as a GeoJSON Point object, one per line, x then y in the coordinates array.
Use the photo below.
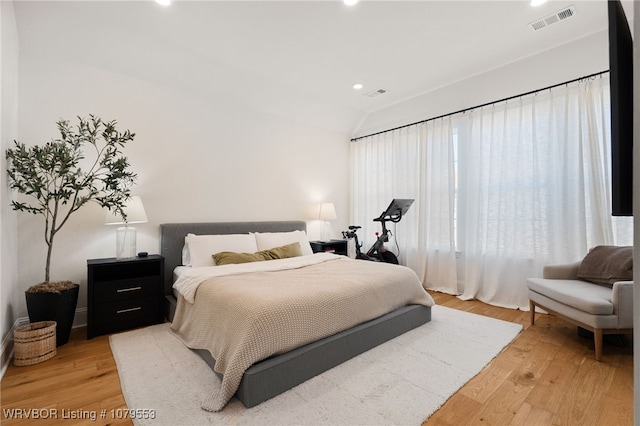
{"type": "Point", "coordinates": [123, 311]}
{"type": "Point", "coordinates": [124, 290]}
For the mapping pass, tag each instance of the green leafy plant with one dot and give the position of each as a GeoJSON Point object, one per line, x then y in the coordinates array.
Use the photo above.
{"type": "Point", "coordinates": [54, 177]}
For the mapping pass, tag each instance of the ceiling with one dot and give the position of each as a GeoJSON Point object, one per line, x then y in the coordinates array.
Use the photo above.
{"type": "Point", "coordinates": [292, 50]}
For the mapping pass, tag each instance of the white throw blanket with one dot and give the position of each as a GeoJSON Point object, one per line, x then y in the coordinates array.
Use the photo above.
{"type": "Point", "coordinates": [243, 318]}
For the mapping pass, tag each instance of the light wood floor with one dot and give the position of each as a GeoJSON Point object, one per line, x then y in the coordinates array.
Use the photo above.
{"type": "Point", "coordinates": [546, 376]}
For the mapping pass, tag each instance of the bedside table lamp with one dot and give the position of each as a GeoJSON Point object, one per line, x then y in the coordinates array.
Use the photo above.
{"type": "Point", "coordinates": [126, 235]}
{"type": "Point", "coordinates": [327, 213]}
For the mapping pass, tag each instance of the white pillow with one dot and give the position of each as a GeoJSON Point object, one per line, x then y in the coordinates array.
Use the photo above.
{"type": "Point", "coordinates": [269, 240]}
{"type": "Point", "coordinates": [198, 249]}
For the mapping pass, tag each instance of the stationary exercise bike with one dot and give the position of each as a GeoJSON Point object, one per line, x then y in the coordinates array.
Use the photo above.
{"type": "Point", "coordinates": [378, 252]}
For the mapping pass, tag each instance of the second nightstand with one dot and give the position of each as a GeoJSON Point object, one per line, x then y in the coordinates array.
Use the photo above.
{"type": "Point", "coordinates": [123, 294]}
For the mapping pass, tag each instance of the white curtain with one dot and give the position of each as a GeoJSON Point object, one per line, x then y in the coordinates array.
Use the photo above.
{"type": "Point", "coordinates": [413, 162]}
{"type": "Point", "coordinates": [534, 188]}
{"type": "Point", "coordinates": [511, 187]}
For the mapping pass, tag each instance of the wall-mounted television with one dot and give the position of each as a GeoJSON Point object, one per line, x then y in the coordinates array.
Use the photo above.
{"type": "Point", "coordinates": [621, 77]}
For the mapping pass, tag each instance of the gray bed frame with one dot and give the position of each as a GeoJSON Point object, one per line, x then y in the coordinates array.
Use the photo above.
{"type": "Point", "coordinates": [276, 374]}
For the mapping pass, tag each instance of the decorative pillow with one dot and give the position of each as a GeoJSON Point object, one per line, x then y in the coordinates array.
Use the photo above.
{"type": "Point", "coordinates": [269, 240]}
{"type": "Point", "coordinates": [228, 257]}
{"type": "Point", "coordinates": [606, 265]}
{"type": "Point", "coordinates": [199, 247]}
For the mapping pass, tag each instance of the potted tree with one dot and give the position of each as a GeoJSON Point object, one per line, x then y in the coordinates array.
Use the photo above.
{"type": "Point", "coordinates": [57, 179]}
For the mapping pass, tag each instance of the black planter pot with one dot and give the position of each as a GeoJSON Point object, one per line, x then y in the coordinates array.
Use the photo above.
{"type": "Point", "coordinates": [59, 307]}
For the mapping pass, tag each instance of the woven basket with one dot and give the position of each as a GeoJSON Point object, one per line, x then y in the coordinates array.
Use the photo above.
{"type": "Point", "coordinates": [34, 343]}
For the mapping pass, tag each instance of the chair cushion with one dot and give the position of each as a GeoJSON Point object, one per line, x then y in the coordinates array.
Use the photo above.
{"type": "Point", "coordinates": [582, 295]}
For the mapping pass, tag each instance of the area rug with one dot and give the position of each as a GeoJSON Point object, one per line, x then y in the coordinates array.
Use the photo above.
{"type": "Point", "coordinates": [402, 381]}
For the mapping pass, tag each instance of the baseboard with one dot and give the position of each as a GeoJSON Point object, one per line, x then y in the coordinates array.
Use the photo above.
{"type": "Point", "coordinates": [80, 319]}
{"type": "Point", "coordinates": [6, 348]}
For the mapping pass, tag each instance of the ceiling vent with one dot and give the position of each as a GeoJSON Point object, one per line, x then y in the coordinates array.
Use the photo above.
{"type": "Point", "coordinates": [375, 93]}
{"type": "Point", "coordinates": [559, 16]}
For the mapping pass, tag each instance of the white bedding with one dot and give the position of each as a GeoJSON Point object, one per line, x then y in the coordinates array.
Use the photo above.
{"type": "Point", "coordinates": [189, 279]}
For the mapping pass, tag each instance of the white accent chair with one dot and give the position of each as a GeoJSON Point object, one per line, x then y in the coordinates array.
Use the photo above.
{"type": "Point", "coordinates": [595, 307]}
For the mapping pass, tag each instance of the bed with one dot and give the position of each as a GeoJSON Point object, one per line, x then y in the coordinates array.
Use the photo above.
{"type": "Point", "coordinates": [282, 370]}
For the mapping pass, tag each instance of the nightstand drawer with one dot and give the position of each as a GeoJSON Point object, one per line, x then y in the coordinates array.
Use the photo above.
{"type": "Point", "coordinates": [123, 314]}
{"type": "Point", "coordinates": [110, 291]}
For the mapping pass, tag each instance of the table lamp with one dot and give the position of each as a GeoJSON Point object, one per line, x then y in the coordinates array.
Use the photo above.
{"type": "Point", "coordinates": [126, 235]}
{"type": "Point", "coordinates": [327, 213]}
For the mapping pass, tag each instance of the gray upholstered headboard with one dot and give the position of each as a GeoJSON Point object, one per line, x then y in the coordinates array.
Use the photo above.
{"type": "Point", "coordinates": [172, 238]}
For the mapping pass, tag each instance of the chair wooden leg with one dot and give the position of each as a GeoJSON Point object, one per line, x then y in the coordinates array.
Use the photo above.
{"type": "Point", "coordinates": [532, 308]}
{"type": "Point", "coordinates": [597, 338]}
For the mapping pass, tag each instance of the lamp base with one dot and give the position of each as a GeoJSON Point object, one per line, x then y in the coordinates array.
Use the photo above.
{"type": "Point", "coordinates": [326, 232]}
{"type": "Point", "coordinates": [125, 243]}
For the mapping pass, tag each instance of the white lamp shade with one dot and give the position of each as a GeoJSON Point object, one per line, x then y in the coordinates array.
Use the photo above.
{"type": "Point", "coordinates": [327, 212]}
{"type": "Point", "coordinates": [133, 209]}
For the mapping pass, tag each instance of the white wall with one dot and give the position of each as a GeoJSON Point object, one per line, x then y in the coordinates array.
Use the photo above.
{"type": "Point", "coordinates": [198, 158]}
{"type": "Point", "coordinates": [572, 60]}
{"type": "Point", "coordinates": [8, 131]}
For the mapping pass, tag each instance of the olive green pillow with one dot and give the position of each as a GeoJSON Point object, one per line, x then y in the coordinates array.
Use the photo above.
{"type": "Point", "coordinates": [229, 257]}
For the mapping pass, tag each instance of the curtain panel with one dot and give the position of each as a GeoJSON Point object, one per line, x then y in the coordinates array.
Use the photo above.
{"type": "Point", "coordinates": [413, 162]}
{"type": "Point", "coordinates": [509, 187]}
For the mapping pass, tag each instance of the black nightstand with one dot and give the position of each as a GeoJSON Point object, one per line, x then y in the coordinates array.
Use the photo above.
{"type": "Point", "coordinates": [331, 246]}
{"type": "Point", "coordinates": [124, 294]}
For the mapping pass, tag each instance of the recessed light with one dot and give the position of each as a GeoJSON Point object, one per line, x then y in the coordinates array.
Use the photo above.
{"type": "Point", "coordinates": [350, 2]}
{"type": "Point", "coordinates": [358, 86]}
{"type": "Point", "coordinates": [163, 2]}
{"type": "Point", "coordinates": [536, 3]}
